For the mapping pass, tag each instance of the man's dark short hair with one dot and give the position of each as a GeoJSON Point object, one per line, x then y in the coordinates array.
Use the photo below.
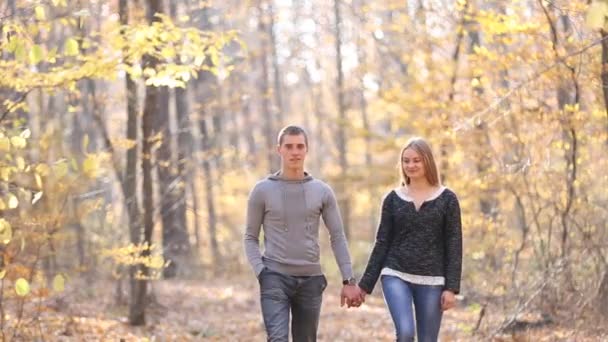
{"type": "Point", "coordinates": [292, 130]}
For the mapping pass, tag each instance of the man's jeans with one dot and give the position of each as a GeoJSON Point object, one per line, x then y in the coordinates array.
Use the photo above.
{"type": "Point", "coordinates": [399, 295]}
{"type": "Point", "coordinates": [280, 293]}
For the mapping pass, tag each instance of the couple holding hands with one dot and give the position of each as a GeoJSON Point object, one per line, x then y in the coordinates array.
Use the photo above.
{"type": "Point", "coordinates": [417, 254]}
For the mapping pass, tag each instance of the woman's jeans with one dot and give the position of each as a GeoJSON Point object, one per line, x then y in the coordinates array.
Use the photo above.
{"type": "Point", "coordinates": [399, 295]}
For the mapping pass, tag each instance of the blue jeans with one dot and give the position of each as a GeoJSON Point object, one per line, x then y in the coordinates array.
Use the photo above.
{"type": "Point", "coordinates": [399, 295]}
{"type": "Point", "coordinates": [282, 294]}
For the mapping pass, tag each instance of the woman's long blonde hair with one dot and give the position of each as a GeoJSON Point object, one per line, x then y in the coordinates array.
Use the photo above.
{"type": "Point", "coordinates": [424, 150]}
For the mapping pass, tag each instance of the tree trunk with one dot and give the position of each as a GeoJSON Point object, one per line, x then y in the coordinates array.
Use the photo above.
{"type": "Point", "coordinates": [444, 167]}
{"type": "Point", "coordinates": [195, 206]}
{"type": "Point", "coordinates": [130, 175]}
{"type": "Point", "coordinates": [176, 245]}
{"type": "Point", "coordinates": [184, 155]}
{"type": "Point", "coordinates": [217, 137]}
{"type": "Point", "coordinates": [602, 302]}
{"type": "Point", "coordinates": [151, 104]}
{"type": "Point", "coordinates": [568, 93]}
{"type": "Point", "coordinates": [247, 124]}
{"type": "Point", "coordinates": [604, 75]}
{"type": "Point", "coordinates": [483, 161]}
{"type": "Point", "coordinates": [167, 182]}
{"type": "Point", "coordinates": [209, 194]}
{"type": "Point", "coordinates": [343, 199]}
{"type": "Point", "coordinates": [278, 84]}
{"type": "Point", "coordinates": [269, 127]}
{"type": "Point", "coordinates": [206, 92]}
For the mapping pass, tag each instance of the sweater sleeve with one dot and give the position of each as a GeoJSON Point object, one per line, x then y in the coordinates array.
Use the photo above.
{"type": "Point", "coordinates": [255, 216]}
{"type": "Point", "coordinates": [453, 246]}
{"type": "Point", "coordinates": [384, 236]}
{"type": "Point", "coordinates": [333, 222]}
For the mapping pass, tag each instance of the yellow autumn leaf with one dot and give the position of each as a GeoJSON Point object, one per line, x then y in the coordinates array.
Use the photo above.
{"type": "Point", "coordinates": [71, 47]}
{"type": "Point", "coordinates": [157, 261]}
{"type": "Point", "coordinates": [2, 274]}
{"type": "Point", "coordinates": [42, 169]}
{"type": "Point", "coordinates": [20, 163]}
{"type": "Point", "coordinates": [5, 173]}
{"type": "Point", "coordinates": [36, 54]}
{"type": "Point", "coordinates": [596, 14]}
{"type": "Point", "coordinates": [85, 142]}
{"type": "Point", "coordinates": [5, 144]}
{"type": "Point", "coordinates": [13, 202]}
{"type": "Point", "coordinates": [18, 142]}
{"type": "Point", "coordinates": [39, 13]}
{"type": "Point", "coordinates": [38, 180]}
{"type": "Point", "coordinates": [59, 283]}
{"type": "Point", "coordinates": [6, 231]}
{"type": "Point", "coordinates": [22, 287]}
{"type": "Point", "coordinates": [90, 166]}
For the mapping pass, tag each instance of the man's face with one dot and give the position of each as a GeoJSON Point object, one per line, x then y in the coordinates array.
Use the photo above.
{"type": "Point", "coordinates": [293, 151]}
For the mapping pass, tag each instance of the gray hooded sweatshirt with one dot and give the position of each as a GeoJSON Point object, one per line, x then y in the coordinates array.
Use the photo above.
{"type": "Point", "coordinates": [289, 211]}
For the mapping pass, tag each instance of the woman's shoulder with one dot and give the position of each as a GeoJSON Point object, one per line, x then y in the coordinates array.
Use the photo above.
{"type": "Point", "coordinates": [388, 196]}
{"type": "Point", "coordinates": [449, 195]}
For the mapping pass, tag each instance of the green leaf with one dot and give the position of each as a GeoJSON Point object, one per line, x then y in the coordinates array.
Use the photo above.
{"type": "Point", "coordinates": [22, 287]}
{"type": "Point", "coordinates": [40, 15]}
{"type": "Point", "coordinates": [71, 47]}
{"type": "Point", "coordinates": [596, 14]}
{"type": "Point", "coordinates": [36, 54]}
{"type": "Point", "coordinates": [59, 283]}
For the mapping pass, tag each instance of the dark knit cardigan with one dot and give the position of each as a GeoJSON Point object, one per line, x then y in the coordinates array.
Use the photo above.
{"type": "Point", "coordinates": [427, 242]}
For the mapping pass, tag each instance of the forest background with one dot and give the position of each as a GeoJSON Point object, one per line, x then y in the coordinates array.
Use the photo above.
{"type": "Point", "coordinates": [132, 131]}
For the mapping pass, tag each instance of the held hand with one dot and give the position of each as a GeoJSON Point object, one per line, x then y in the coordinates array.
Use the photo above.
{"type": "Point", "coordinates": [359, 297]}
{"type": "Point", "coordinates": [362, 294]}
{"type": "Point", "coordinates": [351, 296]}
{"type": "Point", "coordinates": [448, 300]}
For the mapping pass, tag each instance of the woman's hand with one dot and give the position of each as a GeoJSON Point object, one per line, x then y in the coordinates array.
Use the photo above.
{"type": "Point", "coordinates": [448, 300]}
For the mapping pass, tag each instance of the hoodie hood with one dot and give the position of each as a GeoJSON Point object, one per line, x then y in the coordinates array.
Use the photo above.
{"type": "Point", "coordinates": [278, 177]}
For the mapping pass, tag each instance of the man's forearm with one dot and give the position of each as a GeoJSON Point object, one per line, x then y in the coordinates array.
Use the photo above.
{"type": "Point", "coordinates": [252, 251]}
{"type": "Point", "coordinates": [340, 250]}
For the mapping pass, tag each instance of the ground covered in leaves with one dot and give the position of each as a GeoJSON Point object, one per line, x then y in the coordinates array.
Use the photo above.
{"type": "Point", "coordinates": [228, 310]}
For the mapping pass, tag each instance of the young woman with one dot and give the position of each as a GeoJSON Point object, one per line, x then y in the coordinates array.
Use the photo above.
{"type": "Point", "coordinates": [418, 249]}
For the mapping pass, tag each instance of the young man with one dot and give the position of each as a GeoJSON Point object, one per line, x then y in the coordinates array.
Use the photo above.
{"type": "Point", "coordinates": [289, 204]}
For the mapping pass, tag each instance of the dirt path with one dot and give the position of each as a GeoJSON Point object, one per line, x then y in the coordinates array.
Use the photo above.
{"type": "Point", "coordinates": [229, 310]}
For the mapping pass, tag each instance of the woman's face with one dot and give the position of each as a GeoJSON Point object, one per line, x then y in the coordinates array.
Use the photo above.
{"type": "Point", "coordinates": [413, 164]}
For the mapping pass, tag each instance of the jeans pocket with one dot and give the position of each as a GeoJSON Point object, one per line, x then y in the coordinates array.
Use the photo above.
{"type": "Point", "coordinates": [261, 274]}
{"type": "Point", "coordinates": [323, 283]}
